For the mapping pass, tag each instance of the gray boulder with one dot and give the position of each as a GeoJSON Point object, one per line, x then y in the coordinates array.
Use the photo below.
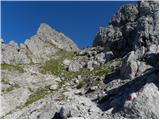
{"type": "Point", "coordinates": [129, 66]}
{"type": "Point", "coordinates": [90, 65]}
{"type": "Point", "coordinates": [100, 57]}
{"type": "Point", "coordinates": [145, 106]}
{"type": "Point", "coordinates": [109, 55]}
{"type": "Point", "coordinates": [74, 66]}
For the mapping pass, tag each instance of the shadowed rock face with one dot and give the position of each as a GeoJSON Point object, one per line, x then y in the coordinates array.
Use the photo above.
{"type": "Point", "coordinates": [40, 47]}
{"type": "Point", "coordinates": [49, 77]}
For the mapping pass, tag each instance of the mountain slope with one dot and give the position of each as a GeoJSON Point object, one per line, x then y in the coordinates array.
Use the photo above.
{"type": "Point", "coordinates": [117, 78]}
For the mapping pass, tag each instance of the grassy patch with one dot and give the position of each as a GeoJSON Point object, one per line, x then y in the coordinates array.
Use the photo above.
{"type": "Point", "coordinates": [4, 81]}
{"type": "Point", "coordinates": [9, 89]}
{"type": "Point", "coordinates": [97, 83]}
{"type": "Point", "coordinates": [101, 71]}
{"type": "Point", "coordinates": [54, 66]}
{"type": "Point", "coordinates": [11, 67]}
{"type": "Point", "coordinates": [65, 55]}
{"type": "Point", "coordinates": [38, 94]}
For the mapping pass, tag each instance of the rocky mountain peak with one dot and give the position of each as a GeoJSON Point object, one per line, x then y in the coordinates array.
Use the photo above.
{"type": "Point", "coordinates": [45, 29]}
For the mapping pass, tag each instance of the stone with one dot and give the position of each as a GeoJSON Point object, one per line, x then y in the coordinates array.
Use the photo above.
{"type": "Point", "coordinates": [142, 67]}
{"type": "Point", "coordinates": [109, 55]}
{"type": "Point", "coordinates": [53, 87]}
{"type": "Point", "coordinates": [66, 62]}
{"type": "Point", "coordinates": [74, 66]}
{"type": "Point", "coordinates": [13, 99]}
{"type": "Point", "coordinates": [100, 57]}
{"type": "Point", "coordinates": [65, 112]}
{"type": "Point", "coordinates": [90, 65]}
{"type": "Point", "coordinates": [129, 66]}
{"type": "Point", "coordinates": [93, 88]}
{"type": "Point", "coordinates": [78, 92]}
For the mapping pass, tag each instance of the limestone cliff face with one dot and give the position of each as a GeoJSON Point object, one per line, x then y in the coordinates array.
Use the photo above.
{"type": "Point", "coordinates": [39, 48]}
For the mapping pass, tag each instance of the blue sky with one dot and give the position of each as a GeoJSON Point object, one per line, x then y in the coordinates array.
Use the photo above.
{"type": "Point", "coordinates": [78, 20]}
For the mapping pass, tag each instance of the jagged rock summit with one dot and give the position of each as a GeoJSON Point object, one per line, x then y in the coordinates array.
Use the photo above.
{"type": "Point", "coordinates": [39, 48]}
{"type": "Point", "coordinates": [116, 78]}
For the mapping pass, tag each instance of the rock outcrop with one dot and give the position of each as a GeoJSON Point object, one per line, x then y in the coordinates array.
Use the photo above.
{"type": "Point", "coordinates": [134, 28]}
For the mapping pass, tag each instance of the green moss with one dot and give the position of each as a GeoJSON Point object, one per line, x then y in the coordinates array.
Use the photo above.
{"type": "Point", "coordinates": [11, 67]}
{"type": "Point", "coordinates": [38, 94]}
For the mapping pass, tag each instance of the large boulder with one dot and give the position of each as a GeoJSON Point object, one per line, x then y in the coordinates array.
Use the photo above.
{"type": "Point", "coordinates": [145, 105]}
{"type": "Point", "coordinates": [74, 66]}
{"type": "Point", "coordinates": [129, 66]}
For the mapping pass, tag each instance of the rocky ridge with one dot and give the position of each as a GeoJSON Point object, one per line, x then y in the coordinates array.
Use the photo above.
{"type": "Point", "coordinates": [118, 77]}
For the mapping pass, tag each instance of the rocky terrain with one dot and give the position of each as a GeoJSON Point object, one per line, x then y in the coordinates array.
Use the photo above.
{"type": "Point", "coordinates": [118, 77]}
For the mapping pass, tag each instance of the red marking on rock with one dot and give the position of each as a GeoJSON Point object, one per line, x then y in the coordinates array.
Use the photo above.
{"type": "Point", "coordinates": [129, 98]}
